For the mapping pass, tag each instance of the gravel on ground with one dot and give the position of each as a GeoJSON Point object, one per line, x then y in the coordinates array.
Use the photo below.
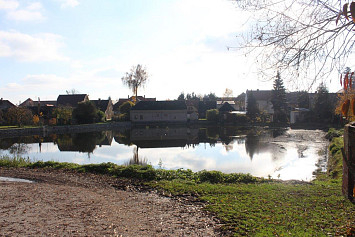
{"type": "Point", "coordinates": [63, 203]}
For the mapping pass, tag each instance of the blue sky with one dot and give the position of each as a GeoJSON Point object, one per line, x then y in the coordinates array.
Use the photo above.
{"type": "Point", "coordinates": [50, 46]}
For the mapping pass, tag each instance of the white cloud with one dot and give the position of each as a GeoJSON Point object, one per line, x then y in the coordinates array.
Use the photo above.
{"type": "Point", "coordinates": [8, 4]}
{"type": "Point", "coordinates": [31, 48]}
{"type": "Point", "coordinates": [33, 12]}
{"type": "Point", "coordinates": [25, 15]}
{"type": "Point", "coordinates": [68, 3]}
{"type": "Point", "coordinates": [35, 6]}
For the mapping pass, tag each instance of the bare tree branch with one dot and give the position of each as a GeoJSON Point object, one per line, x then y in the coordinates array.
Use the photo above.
{"type": "Point", "coordinates": [303, 37]}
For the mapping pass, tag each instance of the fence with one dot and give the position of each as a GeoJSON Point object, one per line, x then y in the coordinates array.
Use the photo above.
{"type": "Point", "coordinates": [349, 162]}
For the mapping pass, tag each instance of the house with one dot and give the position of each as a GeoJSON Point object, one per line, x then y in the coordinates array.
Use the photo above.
{"type": "Point", "coordinates": [5, 104]}
{"type": "Point", "coordinates": [238, 102]}
{"type": "Point", "coordinates": [263, 100]}
{"type": "Point", "coordinates": [105, 106]}
{"type": "Point", "coordinates": [159, 111]}
{"type": "Point", "coordinates": [71, 100]}
{"type": "Point", "coordinates": [298, 115]}
{"type": "Point", "coordinates": [42, 103]}
{"type": "Point", "coordinates": [226, 105]}
{"type": "Point", "coordinates": [192, 109]}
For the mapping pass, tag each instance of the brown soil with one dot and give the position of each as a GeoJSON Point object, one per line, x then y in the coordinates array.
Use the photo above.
{"type": "Point", "coordinates": [63, 203]}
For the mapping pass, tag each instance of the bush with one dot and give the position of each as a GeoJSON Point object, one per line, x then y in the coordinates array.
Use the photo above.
{"type": "Point", "coordinates": [103, 168]}
{"type": "Point", "coordinates": [212, 115]}
{"type": "Point", "coordinates": [135, 171]}
{"type": "Point", "coordinates": [211, 176]}
{"type": "Point", "coordinates": [332, 132]}
{"type": "Point", "coordinates": [7, 161]}
{"type": "Point", "coordinates": [85, 113]}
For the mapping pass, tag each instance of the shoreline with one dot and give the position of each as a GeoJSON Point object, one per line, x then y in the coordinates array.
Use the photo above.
{"type": "Point", "coordinates": [245, 206]}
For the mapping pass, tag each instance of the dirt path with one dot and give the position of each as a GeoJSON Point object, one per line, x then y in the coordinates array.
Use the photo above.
{"type": "Point", "coordinates": [70, 204]}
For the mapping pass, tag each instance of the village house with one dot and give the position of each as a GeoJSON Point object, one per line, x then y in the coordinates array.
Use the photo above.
{"type": "Point", "coordinates": [6, 104]}
{"type": "Point", "coordinates": [263, 101]}
{"type": "Point", "coordinates": [159, 111]}
{"type": "Point", "coordinates": [71, 100]}
{"type": "Point", "coordinates": [238, 103]}
{"type": "Point", "coordinates": [42, 103]}
{"type": "Point", "coordinates": [230, 104]}
{"type": "Point", "coordinates": [192, 109]}
{"type": "Point", "coordinates": [105, 106]}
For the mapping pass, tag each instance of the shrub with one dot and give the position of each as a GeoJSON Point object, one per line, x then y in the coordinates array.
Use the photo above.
{"type": "Point", "coordinates": [211, 176]}
{"type": "Point", "coordinates": [86, 112]}
{"type": "Point", "coordinates": [212, 115]}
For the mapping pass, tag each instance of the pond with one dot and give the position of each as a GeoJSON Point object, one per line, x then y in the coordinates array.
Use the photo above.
{"type": "Point", "coordinates": [279, 153]}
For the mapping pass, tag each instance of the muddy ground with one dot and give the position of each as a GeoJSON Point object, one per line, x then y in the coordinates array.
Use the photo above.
{"type": "Point", "coordinates": [61, 203]}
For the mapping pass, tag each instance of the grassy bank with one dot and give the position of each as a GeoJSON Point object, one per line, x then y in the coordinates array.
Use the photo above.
{"type": "Point", "coordinates": [247, 205]}
{"type": "Point", "coordinates": [276, 208]}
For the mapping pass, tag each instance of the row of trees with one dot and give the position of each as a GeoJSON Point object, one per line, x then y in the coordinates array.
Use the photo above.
{"type": "Point", "coordinates": [321, 111]}
{"type": "Point", "coordinates": [85, 112]}
{"type": "Point", "coordinates": [193, 96]}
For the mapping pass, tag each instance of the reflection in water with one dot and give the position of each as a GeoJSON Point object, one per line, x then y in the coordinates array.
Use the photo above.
{"type": "Point", "coordinates": [230, 149]}
{"type": "Point", "coordinates": [82, 142]}
{"type": "Point", "coordinates": [18, 149]}
{"type": "Point", "coordinates": [136, 160]}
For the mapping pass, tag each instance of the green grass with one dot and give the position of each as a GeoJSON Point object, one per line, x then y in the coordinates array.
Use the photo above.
{"type": "Point", "coordinates": [7, 127]}
{"type": "Point", "coordinates": [9, 161]}
{"type": "Point", "coordinates": [245, 204]}
{"type": "Point", "coordinates": [273, 208]}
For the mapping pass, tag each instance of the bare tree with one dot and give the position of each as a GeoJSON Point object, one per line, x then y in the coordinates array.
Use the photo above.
{"type": "Point", "coordinates": [228, 93]}
{"type": "Point", "coordinates": [136, 78]}
{"type": "Point", "coordinates": [72, 92]}
{"type": "Point", "coordinates": [305, 37]}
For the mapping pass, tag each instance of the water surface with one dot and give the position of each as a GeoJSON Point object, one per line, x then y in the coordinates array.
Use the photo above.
{"type": "Point", "coordinates": [279, 153]}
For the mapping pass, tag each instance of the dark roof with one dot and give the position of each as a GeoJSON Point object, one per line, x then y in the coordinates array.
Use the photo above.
{"type": "Point", "coordinates": [5, 104]}
{"type": "Point", "coordinates": [28, 102]}
{"type": "Point", "coordinates": [261, 94]}
{"type": "Point", "coordinates": [226, 107]}
{"type": "Point", "coordinates": [292, 97]}
{"type": "Point", "coordinates": [101, 104]}
{"type": "Point", "coordinates": [71, 100]}
{"type": "Point", "coordinates": [123, 100]}
{"type": "Point", "coordinates": [160, 105]}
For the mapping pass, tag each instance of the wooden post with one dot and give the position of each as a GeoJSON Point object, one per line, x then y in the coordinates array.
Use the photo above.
{"type": "Point", "coordinates": [349, 162]}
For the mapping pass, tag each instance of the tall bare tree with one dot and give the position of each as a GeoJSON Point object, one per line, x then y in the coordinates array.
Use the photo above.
{"type": "Point", "coordinates": [72, 92]}
{"type": "Point", "coordinates": [310, 37]}
{"type": "Point", "coordinates": [228, 93]}
{"type": "Point", "coordinates": [137, 77]}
